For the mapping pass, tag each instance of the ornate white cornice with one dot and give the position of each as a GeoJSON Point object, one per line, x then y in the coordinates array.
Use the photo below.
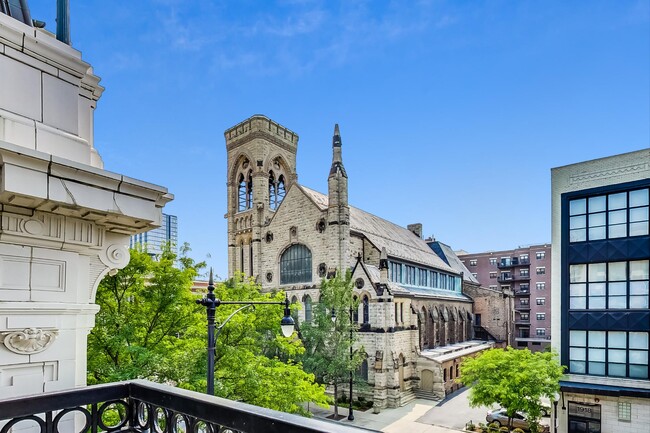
{"type": "Point", "coordinates": [604, 174]}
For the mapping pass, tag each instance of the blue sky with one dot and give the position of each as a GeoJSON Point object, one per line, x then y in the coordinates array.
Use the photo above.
{"type": "Point", "coordinates": [452, 113]}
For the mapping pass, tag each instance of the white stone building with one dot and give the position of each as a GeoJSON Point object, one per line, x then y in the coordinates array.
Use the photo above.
{"type": "Point", "coordinates": [290, 237]}
{"type": "Point", "coordinates": [65, 222]}
{"type": "Point", "coordinates": [600, 301]}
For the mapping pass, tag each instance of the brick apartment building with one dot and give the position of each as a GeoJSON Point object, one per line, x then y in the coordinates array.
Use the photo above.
{"type": "Point", "coordinates": [525, 274]}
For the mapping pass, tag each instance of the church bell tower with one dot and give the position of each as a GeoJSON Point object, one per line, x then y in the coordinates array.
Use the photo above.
{"type": "Point", "coordinates": [261, 169]}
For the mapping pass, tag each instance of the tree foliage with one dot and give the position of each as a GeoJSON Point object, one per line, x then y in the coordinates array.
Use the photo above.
{"type": "Point", "coordinates": [514, 379]}
{"type": "Point", "coordinates": [150, 327]}
{"type": "Point", "coordinates": [328, 342]}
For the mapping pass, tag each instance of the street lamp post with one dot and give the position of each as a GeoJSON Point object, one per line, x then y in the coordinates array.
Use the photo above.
{"type": "Point", "coordinates": [350, 414]}
{"type": "Point", "coordinates": [210, 302]}
{"type": "Point", "coordinates": [350, 411]}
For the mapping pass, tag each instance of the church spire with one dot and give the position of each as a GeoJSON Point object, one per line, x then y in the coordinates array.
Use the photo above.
{"type": "Point", "coordinates": [337, 158]}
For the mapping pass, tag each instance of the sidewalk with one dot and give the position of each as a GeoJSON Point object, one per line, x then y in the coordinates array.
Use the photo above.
{"type": "Point", "coordinates": [399, 420]}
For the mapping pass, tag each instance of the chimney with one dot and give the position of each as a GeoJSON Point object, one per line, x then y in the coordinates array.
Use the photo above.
{"type": "Point", "coordinates": [416, 229]}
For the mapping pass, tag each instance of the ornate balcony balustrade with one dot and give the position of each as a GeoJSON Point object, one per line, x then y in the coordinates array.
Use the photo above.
{"type": "Point", "coordinates": [142, 406]}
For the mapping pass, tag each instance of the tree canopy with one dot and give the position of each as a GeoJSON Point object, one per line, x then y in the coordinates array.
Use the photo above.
{"type": "Point", "coordinates": [150, 327]}
{"type": "Point", "coordinates": [515, 379]}
{"type": "Point", "coordinates": [328, 341]}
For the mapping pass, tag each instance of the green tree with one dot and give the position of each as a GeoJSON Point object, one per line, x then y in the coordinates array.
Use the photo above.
{"type": "Point", "coordinates": [514, 379]}
{"type": "Point", "coordinates": [254, 362]}
{"type": "Point", "coordinates": [144, 310]}
{"type": "Point", "coordinates": [327, 341]}
{"type": "Point", "coordinates": [150, 327]}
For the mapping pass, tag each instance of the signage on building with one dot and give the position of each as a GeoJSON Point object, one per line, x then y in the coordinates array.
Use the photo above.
{"type": "Point", "coordinates": [584, 410]}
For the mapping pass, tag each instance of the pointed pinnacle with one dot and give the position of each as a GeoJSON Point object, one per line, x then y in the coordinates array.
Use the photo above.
{"type": "Point", "coordinates": [211, 282]}
{"type": "Point", "coordinates": [336, 129]}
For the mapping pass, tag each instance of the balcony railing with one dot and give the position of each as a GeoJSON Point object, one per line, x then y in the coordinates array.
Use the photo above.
{"type": "Point", "coordinates": [522, 307]}
{"type": "Point", "coordinates": [522, 292]}
{"type": "Point", "coordinates": [142, 406]}
{"type": "Point", "coordinates": [503, 264]}
{"type": "Point", "coordinates": [510, 278]}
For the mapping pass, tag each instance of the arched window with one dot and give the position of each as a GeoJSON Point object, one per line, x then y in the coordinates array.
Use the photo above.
{"type": "Point", "coordinates": [308, 308]}
{"type": "Point", "coordinates": [245, 192]}
{"type": "Point", "coordinates": [295, 265]}
{"type": "Point", "coordinates": [355, 312]}
{"type": "Point", "coordinates": [366, 309]}
{"type": "Point", "coordinates": [277, 190]}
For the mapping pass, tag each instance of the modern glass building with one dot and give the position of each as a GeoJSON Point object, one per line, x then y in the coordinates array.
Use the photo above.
{"type": "Point", "coordinates": [601, 314]}
{"type": "Point", "coordinates": [153, 240]}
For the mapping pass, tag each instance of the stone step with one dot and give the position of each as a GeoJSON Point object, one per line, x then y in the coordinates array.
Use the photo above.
{"type": "Point", "coordinates": [426, 395]}
{"type": "Point", "coordinates": [407, 397]}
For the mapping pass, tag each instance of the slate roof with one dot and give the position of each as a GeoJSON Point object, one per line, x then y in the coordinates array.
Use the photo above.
{"type": "Point", "coordinates": [450, 257]}
{"type": "Point", "coordinates": [400, 243]}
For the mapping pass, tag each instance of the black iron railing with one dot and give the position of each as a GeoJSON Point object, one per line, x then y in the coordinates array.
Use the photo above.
{"type": "Point", "coordinates": [142, 406]}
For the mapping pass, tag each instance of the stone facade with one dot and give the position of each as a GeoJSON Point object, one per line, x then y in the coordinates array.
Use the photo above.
{"type": "Point", "coordinates": [290, 237]}
{"type": "Point", "coordinates": [65, 221]}
{"type": "Point", "coordinates": [614, 401]}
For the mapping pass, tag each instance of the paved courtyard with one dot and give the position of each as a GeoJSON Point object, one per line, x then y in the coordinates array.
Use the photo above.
{"type": "Point", "coordinates": [419, 416]}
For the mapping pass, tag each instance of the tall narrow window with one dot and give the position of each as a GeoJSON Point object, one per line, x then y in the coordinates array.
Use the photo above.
{"type": "Point", "coordinates": [366, 309]}
{"type": "Point", "coordinates": [250, 259]}
{"type": "Point", "coordinates": [295, 265]}
{"type": "Point", "coordinates": [308, 308]}
{"type": "Point", "coordinates": [277, 190]}
{"type": "Point", "coordinates": [241, 257]}
{"type": "Point", "coordinates": [245, 192]}
{"type": "Point", "coordinates": [355, 312]}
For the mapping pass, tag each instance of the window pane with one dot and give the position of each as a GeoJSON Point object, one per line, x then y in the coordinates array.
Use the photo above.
{"type": "Point", "coordinates": [596, 338]}
{"type": "Point", "coordinates": [596, 204]}
{"type": "Point", "coordinates": [617, 271]}
{"type": "Point", "coordinates": [578, 338]}
{"type": "Point", "coordinates": [638, 214]}
{"type": "Point", "coordinates": [639, 229]}
{"type": "Point", "coordinates": [597, 368]}
{"type": "Point", "coordinates": [618, 302]}
{"type": "Point", "coordinates": [578, 235]}
{"type": "Point", "coordinates": [618, 231]}
{"type": "Point", "coordinates": [617, 289]}
{"type": "Point", "coordinates": [617, 339]}
{"type": "Point", "coordinates": [597, 303]}
{"type": "Point", "coordinates": [597, 272]}
{"type": "Point", "coordinates": [597, 219]}
{"type": "Point", "coordinates": [617, 370]}
{"type": "Point", "coordinates": [639, 301]}
{"type": "Point", "coordinates": [578, 273]}
{"type": "Point", "coordinates": [639, 197]}
{"type": "Point", "coordinates": [577, 367]}
{"type": "Point", "coordinates": [639, 357]}
{"type": "Point", "coordinates": [639, 371]}
{"type": "Point", "coordinates": [577, 354]}
{"type": "Point", "coordinates": [596, 233]}
{"type": "Point", "coordinates": [577, 207]}
{"type": "Point", "coordinates": [616, 355]}
{"type": "Point", "coordinates": [617, 201]}
{"type": "Point", "coordinates": [577, 289]}
{"type": "Point", "coordinates": [638, 340]}
{"type": "Point", "coordinates": [640, 270]}
{"type": "Point", "coordinates": [578, 222]}
{"type": "Point", "coordinates": [618, 217]}
{"type": "Point", "coordinates": [578, 303]}
{"type": "Point", "coordinates": [597, 355]}
{"type": "Point", "coordinates": [597, 289]}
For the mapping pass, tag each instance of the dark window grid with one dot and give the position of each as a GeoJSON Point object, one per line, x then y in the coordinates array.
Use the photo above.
{"type": "Point", "coordinates": [245, 192]}
{"type": "Point", "coordinates": [295, 265]}
{"type": "Point", "coordinates": [609, 294]}
{"type": "Point", "coordinates": [624, 220]}
{"type": "Point", "coordinates": [597, 358]}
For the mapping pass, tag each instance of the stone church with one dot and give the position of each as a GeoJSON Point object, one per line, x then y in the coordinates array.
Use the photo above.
{"type": "Point", "coordinates": [415, 322]}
